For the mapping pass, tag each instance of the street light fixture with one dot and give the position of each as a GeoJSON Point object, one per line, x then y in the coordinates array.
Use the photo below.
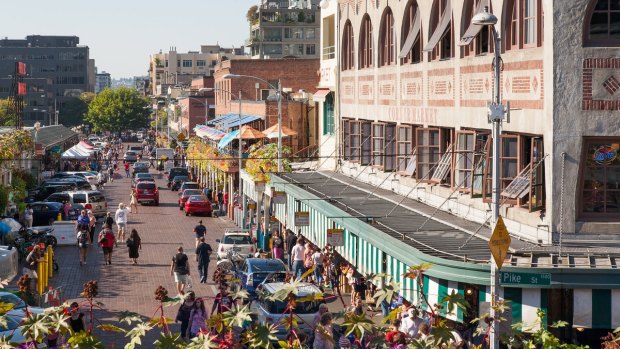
{"type": "Point", "coordinates": [496, 114]}
{"type": "Point", "coordinates": [279, 89]}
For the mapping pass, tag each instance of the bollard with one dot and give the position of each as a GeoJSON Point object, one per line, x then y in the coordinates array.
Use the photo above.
{"type": "Point", "coordinates": [50, 261]}
{"type": "Point", "coordinates": [59, 217]}
{"type": "Point", "coordinates": [40, 278]}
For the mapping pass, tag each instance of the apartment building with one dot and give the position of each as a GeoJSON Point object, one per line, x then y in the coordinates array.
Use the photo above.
{"type": "Point", "coordinates": [281, 28]}
{"type": "Point", "coordinates": [103, 81]}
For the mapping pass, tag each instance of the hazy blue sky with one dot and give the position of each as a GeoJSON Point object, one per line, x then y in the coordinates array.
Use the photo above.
{"type": "Point", "coordinates": [122, 33]}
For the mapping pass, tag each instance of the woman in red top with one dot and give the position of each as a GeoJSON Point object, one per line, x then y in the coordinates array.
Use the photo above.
{"type": "Point", "coordinates": [126, 169]}
{"type": "Point", "coordinates": [107, 240]}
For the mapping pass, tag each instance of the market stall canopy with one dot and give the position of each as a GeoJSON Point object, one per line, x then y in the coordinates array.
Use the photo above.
{"type": "Point", "coordinates": [204, 131]}
{"type": "Point", "coordinates": [85, 145]}
{"type": "Point", "coordinates": [226, 121]}
{"type": "Point", "coordinates": [273, 131]}
{"type": "Point", "coordinates": [247, 132]}
{"type": "Point", "coordinates": [56, 135]}
{"type": "Point", "coordinates": [77, 152]}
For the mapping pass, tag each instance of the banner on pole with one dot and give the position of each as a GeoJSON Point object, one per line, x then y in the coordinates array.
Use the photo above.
{"type": "Point", "coordinates": [335, 237]}
{"type": "Point", "coordinates": [302, 219]}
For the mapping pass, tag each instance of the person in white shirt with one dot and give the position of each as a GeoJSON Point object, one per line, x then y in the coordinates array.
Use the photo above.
{"type": "Point", "coordinates": [317, 261]}
{"type": "Point", "coordinates": [121, 221]}
{"type": "Point", "coordinates": [410, 324]}
{"type": "Point", "coordinates": [28, 216]}
{"type": "Point", "coordinates": [297, 256]}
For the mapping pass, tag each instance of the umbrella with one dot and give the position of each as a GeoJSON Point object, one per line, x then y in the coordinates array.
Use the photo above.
{"type": "Point", "coordinates": [273, 131]}
{"type": "Point", "coordinates": [248, 132]}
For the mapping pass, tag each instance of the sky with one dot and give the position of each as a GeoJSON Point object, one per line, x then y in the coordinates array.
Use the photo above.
{"type": "Point", "coordinates": [121, 34]}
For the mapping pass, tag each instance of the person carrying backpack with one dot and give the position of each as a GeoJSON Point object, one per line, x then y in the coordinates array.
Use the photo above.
{"type": "Point", "coordinates": [83, 240]}
{"type": "Point", "coordinates": [107, 240]}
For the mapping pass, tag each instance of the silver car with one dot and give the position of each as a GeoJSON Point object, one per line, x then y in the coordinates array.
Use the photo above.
{"type": "Point", "coordinates": [130, 156]}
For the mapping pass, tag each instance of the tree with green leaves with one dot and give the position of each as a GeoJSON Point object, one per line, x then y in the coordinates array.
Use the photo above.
{"type": "Point", "coordinates": [6, 118]}
{"type": "Point", "coordinates": [74, 110]}
{"type": "Point", "coordinates": [118, 109]}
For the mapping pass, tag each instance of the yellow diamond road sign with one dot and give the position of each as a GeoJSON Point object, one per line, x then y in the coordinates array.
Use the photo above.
{"type": "Point", "coordinates": [499, 243]}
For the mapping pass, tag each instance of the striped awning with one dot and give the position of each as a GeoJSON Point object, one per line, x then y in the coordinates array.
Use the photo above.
{"type": "Point", "coordinates": [523, 305]}
{"type": "Point", "coordinates": [596, 308]}
{"type": "Point", "coordinates": [211, 133]}
{"type": "Point", "coordinates": [436, 289]}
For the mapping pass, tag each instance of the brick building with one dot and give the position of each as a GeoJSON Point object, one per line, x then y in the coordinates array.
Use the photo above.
{"type": "Point", "coordinates": [297, 76]}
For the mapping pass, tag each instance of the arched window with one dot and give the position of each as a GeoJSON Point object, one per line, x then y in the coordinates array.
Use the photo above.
{"type": "Point", "coordinates": [386, 39]}
{"type": "Point", "coordinates": [365, 51]}
{"type": "Point", "coordinates": [440, 42]}
{"type": "Point", "coordinates": [523, 24]}
{"type": "Point", "coordinates": [348, 49]}
{"type": "Point", "coordinates": [476, 39]}
{"type": "Point", "coordinates": [411, 49]}
{"type": "Point", "coordinates": [603, 24]}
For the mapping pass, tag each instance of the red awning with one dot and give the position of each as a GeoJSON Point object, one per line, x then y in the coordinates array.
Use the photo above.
{"type": "Point", "coordinates": [321, 94]}
{"type": "Point", "coordinates": [85, 145]}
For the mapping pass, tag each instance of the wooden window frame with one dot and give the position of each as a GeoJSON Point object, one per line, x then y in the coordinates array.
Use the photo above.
{"type": "Point", "coordinates": [403, 159]}
{"type": "Point", "coordinates": [587, 161]}
{"type": "Point", "coordinates": [464, 155]}
{"type": "Point", "coordinates": [424, 161]}
{"type": "Point", "coordinates": [366, 145]}
{"type": "Point", "coordinates": [348, 48]}
{"type": "Point", "coordinates": [353, 134]}
{"type": "Point", "coordinates": [607, 42]}
{"type": "Point", "coordinates": [378, 145]}
{"type": "Point", "coordinates": [387, 49]}
{"type": "Point", "coordinates": [503, 160]}
{"type": "Point", "coordinates": [389, 160]}
{"type": "Point", "coordinates": [515, 25]}
{"type": "Point", "coordinates": [408, 21]}
{"type": "Point", "coordinates": [365, 52]}
{"type": "Point", "coordinates": [475, 47]}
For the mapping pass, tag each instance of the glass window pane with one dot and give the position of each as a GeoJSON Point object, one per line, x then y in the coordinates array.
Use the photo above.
{"type": "Point", "coordinates": [509, 147]}
{"type": "Point", "coordinates": [598, 26]}
{"type": "Point", "coordinates": [601, 5]}
{"type": "Point", "coordinates": [612, 201]}
{"type": "Point", "coordinates": [594, 178]}
{"type": "Point", "coordinates": [614, 25]}
{"type": "Point", "coordinates": [615, 5]}
{"type": "Point", "coordinates": [529, 36]}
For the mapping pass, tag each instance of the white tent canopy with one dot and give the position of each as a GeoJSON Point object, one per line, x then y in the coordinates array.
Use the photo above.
{"type": "Point", "coordinates": [77, 152]}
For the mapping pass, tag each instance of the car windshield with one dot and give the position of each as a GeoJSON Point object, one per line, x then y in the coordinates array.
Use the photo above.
{"type": "Point", "coordinates": [197, 198]}
{"type": "Point", "coordinates": [130, 153]}
{"type": "Point", "coordinates": [146, 185]}
{"type": "Point", "coordinates": [13, 299]}
{"type": "Point", "coordinates": [141, 164]}
{"type": "Point", "coordinates": [180, 178]}
{"type": "Point", "coordinates": [237, 239]}
{"type": "Point", "coordinates": [190, 192]}
{"type": "Point", "coordinates": [279, 307]}
{"type": "Point", "coordinates": [267, 266]}
{"type": "Point", "coordinates": [79, 198]}
{"type": "Point", "coordinates": [144, 175]}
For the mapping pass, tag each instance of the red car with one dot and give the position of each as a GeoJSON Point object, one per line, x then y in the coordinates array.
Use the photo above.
{"type": "Point", "coordinates": [186, 194]}
{"type": "Point", "coordinates": [147, 191]}
{"type": "Point", "coordinates": [198, 204]}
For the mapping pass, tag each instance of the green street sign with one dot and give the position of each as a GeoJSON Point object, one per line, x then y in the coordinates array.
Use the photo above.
{"type": "Point", "coordinates": [508, 278]}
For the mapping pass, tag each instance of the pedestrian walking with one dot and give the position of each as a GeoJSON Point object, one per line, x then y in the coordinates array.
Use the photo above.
{"type": "Point", "coordinates": [291, 241]}
{"type": "Point", "coordinates": [323, 334]}
{"type": "Point", "coordinates": [84, 241]}
{"type": "Point", "coordinates": [220, 202]}
{"type": "Point", "coordinates": [107, 240]}
{"type": "Point", "coordinates": [198, 318]}
{"type": "Point", "coordinates": [83, 222]}
{"type": "Point", "coordinates": [126, 166]}
{"type": "Point", "coordinates": [308, 263]}
{"type": "Point", "coordinates": [184, 312]}
{"type": "Point", "coordinates": [297, 256]}
{"type": "Point", "coordinates": [317, 261]}
{"type": "Point", "coordinates": [278, 246]}
{"type": "Point", "coordinates": [76, 318]}
{"type": "Point", "coordinates": [133, 202]}
{"type": "Point", "coordinates": [65, 209]}
{"type": "Point", "coordinates": [109, 220]}
{"type": "Point", "coordinates": [92, 221]}
{"type": "Point", "coordinates": [28, 216]}
{"type": "Point", "coordinates": [200, 230]}
{"type": "Point", "coordinates": [180, 269]}
{"type": "Point", "coordinates": [121, 221]}
{"type": "Point", "coordinates": [203, 257]}
{"type": "Point", "coordinates": [134, 244]}
{"type": "Point", "coordinates": [32, 263]}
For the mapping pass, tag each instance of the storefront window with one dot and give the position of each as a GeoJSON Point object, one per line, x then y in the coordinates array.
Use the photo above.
{"type": "Point", "coordinates": [601, 177]}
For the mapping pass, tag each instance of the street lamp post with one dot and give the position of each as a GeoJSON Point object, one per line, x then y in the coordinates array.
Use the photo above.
{"type": "Point", "coordinates": [496, 114]}
{"type": "Point", "coordinates": [279, 95]}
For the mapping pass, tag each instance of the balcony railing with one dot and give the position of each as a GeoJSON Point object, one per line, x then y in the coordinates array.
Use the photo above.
{"type": "Point", "coordinates": [329, 52]}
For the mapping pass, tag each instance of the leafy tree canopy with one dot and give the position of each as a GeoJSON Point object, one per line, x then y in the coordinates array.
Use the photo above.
{"type": "Point", "coordinates": [75, 110]}
{"type": "Point", "coordinates": [118, 110]}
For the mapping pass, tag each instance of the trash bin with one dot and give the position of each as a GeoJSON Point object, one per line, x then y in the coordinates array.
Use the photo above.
{"type": "Point", "coordinates": [265, 241]}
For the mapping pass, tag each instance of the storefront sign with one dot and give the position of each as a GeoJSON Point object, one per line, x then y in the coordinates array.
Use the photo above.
{"type": "Point", "coordinates": [512, 278]}
{"type": "Point", "coordinates": [605, 154]}
{"type": "Point", "coordinates": [335, 237]}
{"type": "Point", "coordinates": [278, 197]}
{"type": "Point", "coordinates": [302, 219]}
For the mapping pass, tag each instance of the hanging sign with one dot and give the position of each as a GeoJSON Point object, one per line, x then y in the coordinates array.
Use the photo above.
{"type": "Point", "coordinates": [302, 219]}
{"type": "Point", "coordinates": [278, 197]}
{"type": "Point", "coordinates": [335, 237]}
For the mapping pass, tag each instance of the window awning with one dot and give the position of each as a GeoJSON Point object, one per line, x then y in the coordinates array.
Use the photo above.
{"type": "Point", "coordinates": [229, 137]}
{"type": "Point", "coordinates": [211, 133]}
{"type": "Point", "coordinates": [440, 30]}
{"type": "Point", "coordinates": [413, 35]}
{"type": "Point", "coordinates": [227, 121]}
{"type": "Point", "coordinates": [320, 95]}
{"type": "Point", "coordinates": [596, 308]}
{"type": "Point", "coordinates": [473, 29]}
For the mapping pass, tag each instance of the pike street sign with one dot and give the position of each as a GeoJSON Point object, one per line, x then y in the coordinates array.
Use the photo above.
{"type": "Point", "coordinates": [513, 278]}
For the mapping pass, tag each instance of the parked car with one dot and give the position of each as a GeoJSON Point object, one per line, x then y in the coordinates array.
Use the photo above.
{"type": "Point", "coordinates": [177, 182]}
{"type": "Point", "coordinates": [176, 171]}
{"type": "Point", "coordinates": [185, 194]}
{"type": "Point", "coordinates": [90, 200]}
{"type": "Point", "coordinates": [89, 176]}
{"type": "Point", "coordinates": [140, 167]}
{"type": "Point", "coordinates": [45, 213]}
{"type": "Point", "coordinates": [189, 185]}
{"type": "Point", "coordinates": [147, 192]}
{"type": "Point", "coordinates": [15, 329]}
{"type": "Point", "coordinates": [272, 312]}
{"type": "Point", "coordinates": [142, 177]}
{"type": "Point", "coordinates": [198, 204]}
{"type": "Point", "coordinates": [130, 156]}
{"type": "Point", "coordinates": [18, 303]}
{"type": "Point", "coordinates": [136, 149]}
{"type": "Point", "coordinates": [41, 193]}
{"type": "Point", "coordinates": [253, 272]}
{"type": "Point", "coordinates": [80, 182]}
{"type": "Point", "coordinates": [238, 241]}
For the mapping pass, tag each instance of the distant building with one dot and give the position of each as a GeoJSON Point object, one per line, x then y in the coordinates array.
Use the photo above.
{"type": "Point", "coordinates": [103, 81]}
{"type": "Point", "coordinates": [175, 68]}
{"type": "Point", "coordinates": [285, 29]}
{"type": "Point", "coordinates": [141, 84]}
{"type": "Point", "coordinates": [55, 59]}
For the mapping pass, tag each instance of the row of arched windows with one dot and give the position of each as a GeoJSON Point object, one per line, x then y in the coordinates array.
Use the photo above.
{"type": "Point", "coordinates": [523, 28]}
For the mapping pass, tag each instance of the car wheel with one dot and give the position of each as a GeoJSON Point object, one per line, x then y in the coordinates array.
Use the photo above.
{"type": "Point", "coordinates": [180, 208]}
{"type": "Point", "coordinates": [210, 214]}
{"type": "Point", "coordinates": [186, 214]}
{"type": "Point", "coordinates": [156, 203]}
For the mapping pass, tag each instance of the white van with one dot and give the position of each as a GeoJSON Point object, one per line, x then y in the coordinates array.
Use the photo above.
{"type": "Point", "coordinates": [272, 312]}
{"type": "Point", "coordinates": [87, 199]}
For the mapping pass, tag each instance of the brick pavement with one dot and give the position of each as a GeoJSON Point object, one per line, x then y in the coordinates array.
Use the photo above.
{"type": "Point", "coordinates": [123, 286]}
